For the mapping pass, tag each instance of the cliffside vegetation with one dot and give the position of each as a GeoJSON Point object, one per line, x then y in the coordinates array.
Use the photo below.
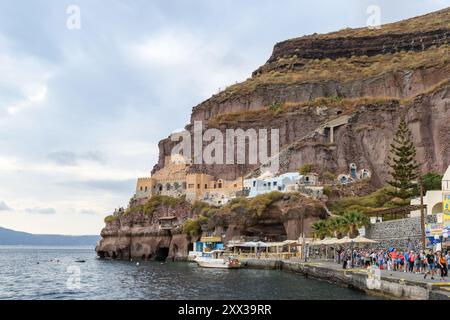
{"type": "Point", "coordinates": [345, 225]}
{"type": "Point", "coordinates": [346, 105]}
{"type": "Point", "coordinates": [294, 70]}
{"type": "Point", "coordinates": [428, 22]}
{"type": "Point", "coordinates": [380, 199]}
{"type": "Point", "coordinates": [404, 167]}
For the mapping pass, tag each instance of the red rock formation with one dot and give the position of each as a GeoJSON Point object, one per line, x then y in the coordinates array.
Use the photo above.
{"type": "Point", "coordinates": [366, 138]}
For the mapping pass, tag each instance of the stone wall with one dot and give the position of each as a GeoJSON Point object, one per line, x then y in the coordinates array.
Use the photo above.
{"type": "Point", "coordinates": [401, 234]}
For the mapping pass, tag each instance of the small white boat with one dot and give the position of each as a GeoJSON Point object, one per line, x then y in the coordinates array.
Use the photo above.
{"type": "Point", "coordinates": [217, 259]}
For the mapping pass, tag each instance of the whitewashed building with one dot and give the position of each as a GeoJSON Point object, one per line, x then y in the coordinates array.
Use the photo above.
{"type": "Point", "coordinates": [266, 183]}
{"type": "Point", "coordinates": [433, 199]}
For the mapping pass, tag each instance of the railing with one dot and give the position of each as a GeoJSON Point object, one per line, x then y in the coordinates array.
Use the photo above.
{"type": "Point", "coordinates": [279, 256]}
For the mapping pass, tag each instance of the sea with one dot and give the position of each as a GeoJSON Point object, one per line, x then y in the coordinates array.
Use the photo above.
{"type": "Point", "coordinates": [57, 273]}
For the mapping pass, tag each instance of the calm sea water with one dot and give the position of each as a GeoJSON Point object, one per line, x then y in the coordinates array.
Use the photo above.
{"type": "Point", "coordinates": [53, 273]}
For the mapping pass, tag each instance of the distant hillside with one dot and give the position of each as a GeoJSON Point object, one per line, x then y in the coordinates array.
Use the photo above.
{"type": "Point", "coordinates": [11, 237]}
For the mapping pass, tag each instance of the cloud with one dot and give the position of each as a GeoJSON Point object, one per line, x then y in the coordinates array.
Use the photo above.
{"type": "Point", "coordinates": [4, 206]}
{"type": "Point", "coordinates": [88, 212]}
{"type": "Point", "coordinates": [44, 211]}
{"type": "Point", "coordinates": [24, 80]}
{"type": "Point", "coordinates": [115, 186]}
{"type": "Point", "coordinates": [69, 158]}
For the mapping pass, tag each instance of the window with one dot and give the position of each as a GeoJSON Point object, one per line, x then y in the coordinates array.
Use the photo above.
{"type": "Point", "coordinates": [141, 188]}
{"type": "Point", "coordinates": [220, 185]}
{"type": "Point", "coordinates": [270, 184]}
{"type": "Point", "coordinates": [235, 185]}
{"type": "Point", "coordinates": [215, 186]}
{"type": "Point", "coordinates": [198, 186]}
{"type": "Point", "coordinates": [191, 186]}
{"type": "Point", "coordinates": [254, 183]}
{"type": "Point", "coordinates": [274, 183]}
{"type": "Point", "coordinates": [146, 188]}
{"type": "Point", "coordinates": [206, 186]}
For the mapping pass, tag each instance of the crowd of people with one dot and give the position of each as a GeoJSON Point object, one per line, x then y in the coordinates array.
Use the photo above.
{"type": "Point", "coordinates": [427, 263]}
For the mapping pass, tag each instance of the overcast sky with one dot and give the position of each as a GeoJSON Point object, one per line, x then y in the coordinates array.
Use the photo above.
{"type": "Point", "coordinates": [82, 111]}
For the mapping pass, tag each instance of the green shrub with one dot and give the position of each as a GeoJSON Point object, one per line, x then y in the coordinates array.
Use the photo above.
{"type": "Point", "coordinates": [261, 202]}
{"type": "Point", "coordinates": [193, 227]}
{"type": "Point", "coordinates": [376, 200]}
{"type": "Point", "coordinates": [111, 218]}
{"type": "Point", "coordinates": [275, 106]}
{"type": "Point", "coordinates": [329, 176]}
{"type": "Point", "coordinates": [150, 207]}
{"type": "Point", "coordinates": [307, 168]}
{"type": "Point", "coordinates": [327, 191]}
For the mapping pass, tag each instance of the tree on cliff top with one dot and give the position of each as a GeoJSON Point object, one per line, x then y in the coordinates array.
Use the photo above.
{"type": "Point", "coordinates": [402, 162]}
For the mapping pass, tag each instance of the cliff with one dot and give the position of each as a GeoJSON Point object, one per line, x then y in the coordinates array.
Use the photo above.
{"type": "Point", "coordinates": [355, 83]}
{"type": "Point", "coordinates": [377, 75]}
{"type": "Point", "coordinates": [142, 233]}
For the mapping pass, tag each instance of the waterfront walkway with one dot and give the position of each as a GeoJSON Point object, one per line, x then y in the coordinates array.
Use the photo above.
{"type": "Point", "coordinates": [392, 284]}
{"type": "Point", "coordinates": [385, 273]}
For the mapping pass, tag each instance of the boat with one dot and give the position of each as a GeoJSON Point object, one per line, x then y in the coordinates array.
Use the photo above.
{"type": "Point", "coordinates": [217, 259]}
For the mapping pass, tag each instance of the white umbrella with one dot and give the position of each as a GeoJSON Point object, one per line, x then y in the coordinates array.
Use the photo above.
{"type": "Point", "coordinates": [345, 240]}
{"type": "Point", "coordinates": [361, 239]}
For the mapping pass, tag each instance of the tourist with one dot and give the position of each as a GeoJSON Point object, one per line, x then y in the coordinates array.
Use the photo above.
{"type": "Point", "coordinates": [424, 262]}
{"type": "Point", "coordinates": [442, 263]}
{"type": "Point", "coordinates": [401, 261]}
{"type": "Point", "coordinates": [344, 259]}
{"type": "Point", "coordinates": [406, 261]}
{"type": "Point", "coordinates": [430, 258]}
{"type": "Point", "coordinates": [394, 256]}
{"type": "Point", "coordinates": [418, 263]}
{"type": "Point", "coordinates": [389, 261]}
{"type": "Point", "coordinates": [412, 259]}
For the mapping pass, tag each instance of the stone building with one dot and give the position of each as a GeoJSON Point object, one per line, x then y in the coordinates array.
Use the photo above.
{"type": "Point", "coordinates": [206, 188]}
{"type": "Point", "coordinates": [174, 180]}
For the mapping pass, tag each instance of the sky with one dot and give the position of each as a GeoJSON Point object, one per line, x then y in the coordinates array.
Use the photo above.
{"type": "Point", "coordinates": [82, 109]}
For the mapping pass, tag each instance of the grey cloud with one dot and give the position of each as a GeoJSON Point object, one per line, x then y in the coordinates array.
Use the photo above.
{"type": "Point", "coordinates": [115, 186]}
{"type": "Point", "coordinates": [88, 212]}
{"type": "Point", "coordinates": [4, 206]}
{"type": "Point", "coordinates": [69, 158]}
{"type": "Point", "coordinates": [40, 210]}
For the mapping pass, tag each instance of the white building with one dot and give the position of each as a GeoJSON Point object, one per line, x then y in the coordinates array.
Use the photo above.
{"type": "Point", "coordinates": [268, 183]}
{"type": "Point", "coordinates": [433, 199]}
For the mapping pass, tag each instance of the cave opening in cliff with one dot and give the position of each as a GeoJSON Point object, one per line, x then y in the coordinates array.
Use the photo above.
{"type": "Point", "coordinates": [270, 231]}
{"type": "Point", "coordinates": [162, 254]}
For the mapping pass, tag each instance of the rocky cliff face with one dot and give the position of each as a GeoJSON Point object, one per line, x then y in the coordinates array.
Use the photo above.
{"type": "Point", "coordinates": [139, 235]}
{"type": "Point", "coordinates": [408, 61]}
{"type": "Point", "coordinates": [369, 78]}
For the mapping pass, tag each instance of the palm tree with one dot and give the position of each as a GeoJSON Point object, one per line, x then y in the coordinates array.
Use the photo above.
{"type": "Point", "coordinates": [339, 227]}
{"type": "Point", "coordinates": [321, 229]}
{"type": "Point", "coordinates": [355, 219]}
